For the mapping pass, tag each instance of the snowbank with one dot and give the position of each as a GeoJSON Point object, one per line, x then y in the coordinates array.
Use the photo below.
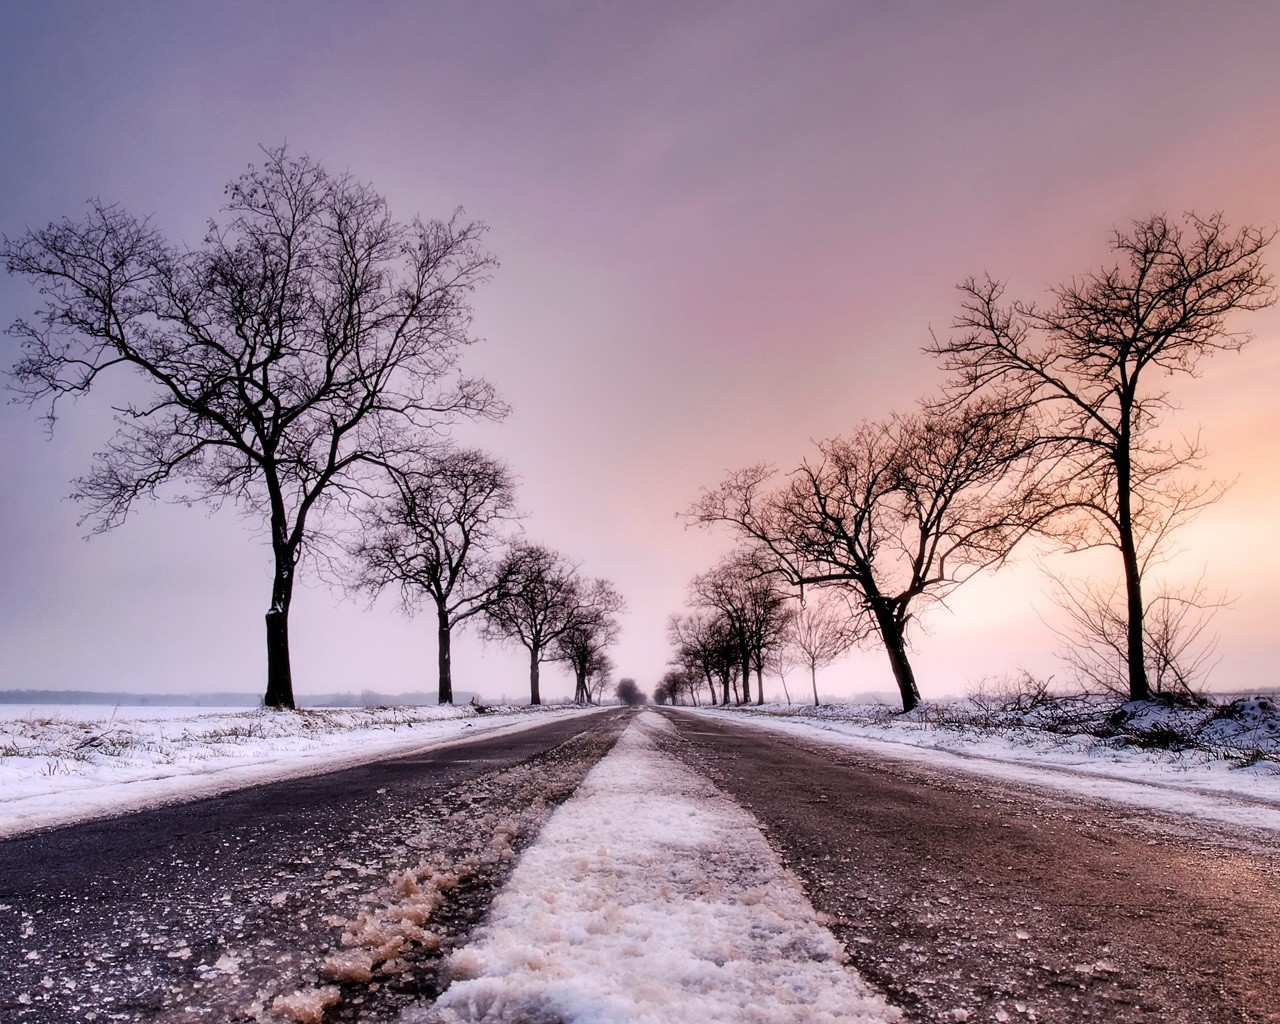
{"type": "Point", "coordinates": [66, 764]}
{"type": "Point", "coordinates": [1216, 763]}
{"type": "Point", "coordinates": [651, 897]}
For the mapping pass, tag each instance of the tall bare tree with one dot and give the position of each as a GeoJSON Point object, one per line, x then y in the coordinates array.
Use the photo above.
{"type": "Point", "coordinates": [436, 535]}
{"type": "Point", "coordinates": [309, 340]}
{"type": "Point", "coordinates": [898, 514]}
{"type": "Point", "coordinates": [1094, 364]}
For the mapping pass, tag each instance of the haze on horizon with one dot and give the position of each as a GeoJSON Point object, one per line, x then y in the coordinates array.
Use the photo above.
{"type": "Point", "coordinates": [722, 233]}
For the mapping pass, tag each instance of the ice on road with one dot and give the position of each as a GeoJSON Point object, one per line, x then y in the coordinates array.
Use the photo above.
{"type": "Point", "coordinates": [652, 897]}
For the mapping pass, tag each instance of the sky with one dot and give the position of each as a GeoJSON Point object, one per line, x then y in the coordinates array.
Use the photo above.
{"type": "Point", "coordinates": [724, 231]}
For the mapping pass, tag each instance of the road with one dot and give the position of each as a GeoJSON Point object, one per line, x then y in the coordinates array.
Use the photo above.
{"type": "Point", "coordinates": [208, 910]}
{"type": "Point", "coordinates": [968, 900]}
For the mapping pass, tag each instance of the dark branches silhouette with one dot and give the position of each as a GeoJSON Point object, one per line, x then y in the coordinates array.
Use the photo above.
{"type": "Point", "coordinates": [437, 535]}
{"type": "Point", "coordinates": [898, 514]}
{"type": "Point", "coordinates": [309, 341]}
{"type": "Point", "coordinates": [1091, 365]}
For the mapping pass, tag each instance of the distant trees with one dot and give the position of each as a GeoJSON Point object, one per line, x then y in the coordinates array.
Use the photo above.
{"type": "Point", "coordinates": [702, 642]}
{"type": "Point", "coordinates": [822, 629]}
{"type": "Point", "coordinates": [551, 611]}
{"type": "Point", "coordinates": [584, 643]}
{"type": "Point", "coordinates": [675, 686]}
{"type": "Point", "coordinates": [897, 514]}
{"type": "Point", "coordinates": [307, 343]}
{"type": "Point", "coordinates": [628, 692]}
{"type": "Point", "coordinates": [436, 535]}
{"type": "Point", "coordinates": [742, 592]}
{"type": "Point", "coordinates": [1091, 367]}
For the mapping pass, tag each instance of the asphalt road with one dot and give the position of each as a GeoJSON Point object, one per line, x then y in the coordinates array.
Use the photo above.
{"type": "Point", "coordinates": [968, 900]}
{"type": "Point", "coordinates": [175, 913]}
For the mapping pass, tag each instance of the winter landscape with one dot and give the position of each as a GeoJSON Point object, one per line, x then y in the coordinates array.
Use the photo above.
{"type": "Point", "coordinates": [604, 513]}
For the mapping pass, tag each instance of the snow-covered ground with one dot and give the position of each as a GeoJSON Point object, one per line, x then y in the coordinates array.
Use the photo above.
{"type": "Point", "coordinates": [71, 763]}
{"type": "Point", "coordinates": [1217, 767]}
{"type": "Point", "coordinates": [651, 897]}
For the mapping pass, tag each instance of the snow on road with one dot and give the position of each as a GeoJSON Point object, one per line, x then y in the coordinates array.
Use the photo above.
{"type": "Point", "coordinates": [1185, 783]}
{"type": "Point", "coordinates": [60, 765]}
{"type": "Point", "coordinates": [651, 897]}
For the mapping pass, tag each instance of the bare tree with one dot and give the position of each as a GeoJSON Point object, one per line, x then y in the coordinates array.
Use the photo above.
{"type": "Point", "coordinates": [1093, 365]}
{"type": "Point", "coordinates": [547, 600]}
{"type": "Point", "coordinates": [823, 629]}
{"type": "Point", "coordinates": [594, 630]}
{"type": "Point", "coordinates": [1178, 647]}
{"type": "Point", "coordinates": [309, 340]}
{"type": "Point", "coordinates": [743, 590]}
{"type": "Point", "coordinates": [599, 678]}
{"type": "Point", "coordinates": [628, 692]}
{"type": "Point", "coordinates": [898, 514]}
{"type": "Point", "coordinates": [702, 641]}
{"type": "Point", "coordinates": [436, 535]}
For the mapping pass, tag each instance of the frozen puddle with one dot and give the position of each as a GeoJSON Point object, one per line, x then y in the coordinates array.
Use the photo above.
{"type": "Point", "coordinates": [650, 897]}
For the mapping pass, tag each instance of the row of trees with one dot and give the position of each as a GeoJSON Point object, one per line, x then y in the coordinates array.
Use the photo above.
{"type": "Point", "coordinates": [303, 363]}
{"type": "Point", "coordinates": [745, 622]}
{"type": "Point", "coordinates": [441, 534]}
{"type": "Point", "coordinates": [1048, 425]}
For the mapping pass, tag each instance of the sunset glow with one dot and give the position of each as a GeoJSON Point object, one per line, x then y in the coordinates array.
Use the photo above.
{"type": "Point", "coordinates": [723, 232]}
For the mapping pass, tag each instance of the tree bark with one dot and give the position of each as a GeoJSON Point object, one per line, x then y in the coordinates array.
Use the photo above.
{"type": "Point", "coordinates": [279, 671]}
{"type": "Point", "coordinates": [759, 683]}
{"type": "Point", "coordinates": [813, 678]}
{"type": "Point", "coordinates": [535, 663]}
{"type": "Point", "coordinates": [444, 648]}
{"type": "Point", "coordinates": [1139, 688]}
{"type": "Point", "coordinates": [892, 633]}
{"type": "Point", "coordinates": [746, 677]}
{"type": "Point", "coordinates": [279, 675]}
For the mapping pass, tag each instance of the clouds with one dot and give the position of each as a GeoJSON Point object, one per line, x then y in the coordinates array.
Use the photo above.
{"type": "Point", "coordinates": [723, 231]}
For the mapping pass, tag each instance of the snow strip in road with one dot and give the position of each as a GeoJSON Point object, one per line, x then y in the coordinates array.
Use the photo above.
{"type": "Point", "coordinates": [1207, 791]}
{"type": "Point", "coordinates": [651, 897]}
{"type": "Point", "coordinates": [74, 764]}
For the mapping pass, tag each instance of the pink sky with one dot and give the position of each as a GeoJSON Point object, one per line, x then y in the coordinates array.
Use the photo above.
{"type": "Point", "coordinates": [724, 231]}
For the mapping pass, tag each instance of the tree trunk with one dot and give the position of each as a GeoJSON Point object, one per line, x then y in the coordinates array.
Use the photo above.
{"type": "Point", "coordinates": [444, 648]}
{"type": "Point", "coordinates": [580, 694]}
{"type": "Point", "coordinates": [746, 678]}
{"type": "Point", "coordinates": [892, 633]}
{"type": "Point", "coordinates": [1139, 688]}
{"type": "Point", "coordinates": [759, 683]}
{"type": "Point", "coordinates": [711, 685]}
{"type": "Point", "coordinates": [279, 673]}
{"type": "Point", "coordinates": [724, 686]}
{"type": "Point", "coordinates": [813, 678]}
{"type": "Point", "coordinates": [535, 663]}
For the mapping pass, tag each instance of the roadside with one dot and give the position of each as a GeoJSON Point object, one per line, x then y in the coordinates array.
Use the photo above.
{"type": "Point", "coordinates": [333, 894]}
{"type": "Point", "coordinates": [64, 765]}
{"type": "Point", "coordinates": [1207, 775]}
{"type": "Point", "coordinates": [970, 898]}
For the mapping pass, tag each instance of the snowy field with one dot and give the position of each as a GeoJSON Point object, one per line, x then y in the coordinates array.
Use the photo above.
{"type": "Point", "coordinates": [650, 898]}
{"type": "Point", "coordinates": [1219, 767]}
{"type": "Point", "coordinates": [75, 762]}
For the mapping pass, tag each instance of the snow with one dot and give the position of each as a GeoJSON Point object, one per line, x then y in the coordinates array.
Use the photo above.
{"type": "Point", "coordinates": [64, 764]}
{"type": "Point", "coordinates": [1206, 782]}
{"type": "Point", "coordinates": [651, 897]}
